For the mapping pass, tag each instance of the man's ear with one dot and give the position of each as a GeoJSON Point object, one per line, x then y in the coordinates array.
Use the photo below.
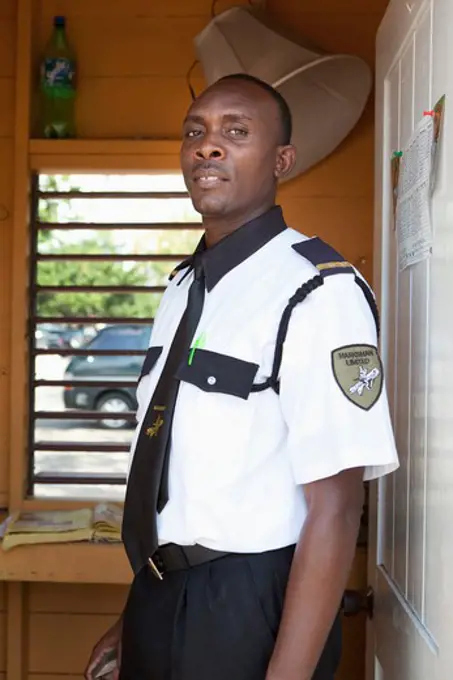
{"type": "Point", "coordinates": [285, 161]}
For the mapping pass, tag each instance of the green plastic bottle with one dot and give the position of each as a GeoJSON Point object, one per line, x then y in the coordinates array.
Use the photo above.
{"type": "Point", "coordinates": [57, 85]}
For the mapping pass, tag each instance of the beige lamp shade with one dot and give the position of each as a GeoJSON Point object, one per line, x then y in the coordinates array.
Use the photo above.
{"type": "Point", "coordinates": [325, 92]}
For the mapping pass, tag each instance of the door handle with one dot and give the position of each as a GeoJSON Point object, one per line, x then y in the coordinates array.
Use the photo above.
{"type": "Point", "coordinates": [356, 601]}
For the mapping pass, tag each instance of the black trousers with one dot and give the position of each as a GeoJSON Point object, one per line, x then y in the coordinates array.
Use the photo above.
{"type": "Point", "coordinates": [217, 621]}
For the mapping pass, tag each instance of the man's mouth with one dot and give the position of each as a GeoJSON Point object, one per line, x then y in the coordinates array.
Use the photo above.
{"type": "Point", "coordinates": [208, 181]}
{"type": "Point", "coordinates": [208, 177]}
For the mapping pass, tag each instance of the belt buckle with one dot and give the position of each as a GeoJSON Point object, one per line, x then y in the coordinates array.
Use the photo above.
{"type": "Point", "coordinates": [155, 570]}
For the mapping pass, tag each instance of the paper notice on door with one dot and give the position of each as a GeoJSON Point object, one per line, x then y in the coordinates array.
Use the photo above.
{"type": "Point", "coordinates": [413, 210]}
{"type": "Point", "coordinates": [438, 125]}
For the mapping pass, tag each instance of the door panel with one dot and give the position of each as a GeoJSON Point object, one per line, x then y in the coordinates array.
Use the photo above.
{"type": "Point", "coordinates": [405, 649]}
{"type": "Point", "coordinates": [411, 564]}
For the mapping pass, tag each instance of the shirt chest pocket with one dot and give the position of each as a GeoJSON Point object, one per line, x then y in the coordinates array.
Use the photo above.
{"type": "Point", "coordinates": [219, 373]}
{"type": "Point", "coordinates": [152, 355]}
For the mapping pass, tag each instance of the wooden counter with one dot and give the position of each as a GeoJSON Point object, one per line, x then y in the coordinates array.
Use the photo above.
{"type": "Point", "coordinates": [66, 563]}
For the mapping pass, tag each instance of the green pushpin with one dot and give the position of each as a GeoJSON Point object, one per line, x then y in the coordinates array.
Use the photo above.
{"type": "Point", "coordinates": [198, 344]}
{"type": "Point", "coordinates": [397, 154]}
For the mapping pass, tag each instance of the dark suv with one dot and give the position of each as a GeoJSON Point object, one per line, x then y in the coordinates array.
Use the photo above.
{"type": "Point", "coordinates": [114, 369]}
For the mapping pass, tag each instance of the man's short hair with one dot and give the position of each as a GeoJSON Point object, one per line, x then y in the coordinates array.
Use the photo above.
{"type": "Point", "coordinates": [286, 121]}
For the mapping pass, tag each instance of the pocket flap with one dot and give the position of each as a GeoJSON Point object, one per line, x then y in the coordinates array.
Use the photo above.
{"type": "Point", "coordinates": [213, 372]}
{"type": "Point", "coordinates": [152, 355]}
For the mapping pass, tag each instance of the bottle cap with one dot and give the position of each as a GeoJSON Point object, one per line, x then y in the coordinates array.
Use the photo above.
{"type": "Point", "coordinates": [59, 22]}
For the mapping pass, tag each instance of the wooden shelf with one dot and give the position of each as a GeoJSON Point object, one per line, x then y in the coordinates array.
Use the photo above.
{"type": "Point", "coordinates": [66, 563]}
{"type": "Point", "coordinates": [103, 155]}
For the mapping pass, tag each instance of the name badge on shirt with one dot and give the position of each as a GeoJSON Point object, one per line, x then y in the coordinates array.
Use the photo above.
{"type": "Point", "coordinates": [358, 372]}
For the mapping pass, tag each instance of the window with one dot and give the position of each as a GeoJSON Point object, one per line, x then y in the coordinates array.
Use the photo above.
{"type": "Point", "coordinates": [102, 249]}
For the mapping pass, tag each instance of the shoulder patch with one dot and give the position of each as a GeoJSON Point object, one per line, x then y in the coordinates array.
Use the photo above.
{"type": "Point", "coordinates": [322, 256]}
{"type": "Point", "coordinates": [358, 372]}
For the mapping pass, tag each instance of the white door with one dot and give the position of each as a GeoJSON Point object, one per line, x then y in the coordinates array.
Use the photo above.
{"type": "Point", "coordinates": [411, 555]}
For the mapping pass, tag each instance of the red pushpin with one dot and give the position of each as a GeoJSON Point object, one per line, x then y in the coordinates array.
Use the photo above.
{"type": "Point", "coordinates": [428, 113]}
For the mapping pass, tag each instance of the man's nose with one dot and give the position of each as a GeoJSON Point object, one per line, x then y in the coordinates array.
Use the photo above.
{"type": "Point", "coordinates": [209, 149]}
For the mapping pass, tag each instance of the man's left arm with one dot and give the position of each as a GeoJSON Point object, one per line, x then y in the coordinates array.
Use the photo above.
{"type": "Point", "coordinates": [319, 574]}
{"type": "Point", "coordinates": [333, 399]}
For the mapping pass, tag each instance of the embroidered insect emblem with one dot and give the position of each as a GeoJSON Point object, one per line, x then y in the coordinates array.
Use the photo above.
{"type": "Point", "coordinates": [365, 380]}
{"type": "Point", "coordinates": [153, 431]}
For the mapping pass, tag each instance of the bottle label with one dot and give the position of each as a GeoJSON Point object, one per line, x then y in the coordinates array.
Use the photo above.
{"type": "Point", "coordinates": [57, 78]}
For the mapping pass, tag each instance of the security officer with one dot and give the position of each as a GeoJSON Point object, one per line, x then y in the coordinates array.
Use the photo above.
{"type": "Point", "coordinates": [262, 409]}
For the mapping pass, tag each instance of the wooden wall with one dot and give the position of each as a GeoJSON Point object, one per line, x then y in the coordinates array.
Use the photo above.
{"type": "Point", "coordinates": [134, 55]}
{"type": "Point", "coordinates": [7, 47]}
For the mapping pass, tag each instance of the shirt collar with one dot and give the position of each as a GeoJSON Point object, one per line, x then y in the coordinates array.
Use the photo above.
{"type": "Point", "coordinates": [237, 247]}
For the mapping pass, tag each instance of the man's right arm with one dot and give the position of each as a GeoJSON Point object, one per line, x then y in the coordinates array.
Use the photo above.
{"type": "Point", "coordinates": [108, 647]}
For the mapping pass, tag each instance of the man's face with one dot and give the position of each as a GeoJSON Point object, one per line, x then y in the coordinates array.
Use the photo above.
{"type": "Point", "coordinates": [231, 156]}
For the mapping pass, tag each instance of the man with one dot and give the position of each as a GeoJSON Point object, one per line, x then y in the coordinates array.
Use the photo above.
{"type": "Point", "coordinates": [241, 533]}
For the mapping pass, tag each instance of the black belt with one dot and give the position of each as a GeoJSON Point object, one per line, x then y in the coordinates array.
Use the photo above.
{"type": "Point", "coordinates": [174, 557]}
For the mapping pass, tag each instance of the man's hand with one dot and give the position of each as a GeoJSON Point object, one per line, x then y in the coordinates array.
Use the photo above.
{"type": "Point", "coordinates": [319, 574]}
{"type": "Point", "coordinates": [107, 649]}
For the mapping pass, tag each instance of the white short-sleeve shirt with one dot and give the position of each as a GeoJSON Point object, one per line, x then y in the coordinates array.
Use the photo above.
{"type": "Point", "coordinates": [239, 457]}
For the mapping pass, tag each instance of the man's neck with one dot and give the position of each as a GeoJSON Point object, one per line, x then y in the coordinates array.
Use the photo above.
{"type": "Point", "coordinates": [217, 228]}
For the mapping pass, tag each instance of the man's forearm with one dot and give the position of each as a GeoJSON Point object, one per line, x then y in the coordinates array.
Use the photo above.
{"type": "Point", "coordinates": [318, 577]}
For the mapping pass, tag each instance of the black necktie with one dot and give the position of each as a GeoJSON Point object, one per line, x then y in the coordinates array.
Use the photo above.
{"type": "Point", "coordinates": [147, 489]}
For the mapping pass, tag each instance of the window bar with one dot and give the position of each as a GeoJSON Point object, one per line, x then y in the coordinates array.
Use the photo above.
{"type": "Point", "coordinates": [104, 447]}
{"type": "Point", "coordinates": [80, 383]}
{"type": "Point", "coordinates": [80, 415]}
{"type": "Point", "coordinates": [98, 319]}
{"type": "Point", "coordinates": [100, 289]}
{"type": "Point", "coordinates": [131, 226]}
{"type": "Point", "coordinates": [163, 195]}
{"type": "Point", "coordinates": [92, 353]}
{"type": "Point", "coordinates": [100, 257]}
{"type": "Point", "coordinates": [80, 478]}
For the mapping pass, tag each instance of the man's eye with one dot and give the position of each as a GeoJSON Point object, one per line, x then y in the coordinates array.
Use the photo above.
{"type": "Point", "coordinates": [193, 133]}
{"type": "Point", "coordinates": [238, 132]}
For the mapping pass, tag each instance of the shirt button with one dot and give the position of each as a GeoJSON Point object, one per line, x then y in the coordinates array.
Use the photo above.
{"type": "Point", "coordinates": [212, 380]}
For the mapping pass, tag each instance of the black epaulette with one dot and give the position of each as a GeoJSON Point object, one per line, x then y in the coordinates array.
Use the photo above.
{"type": "Point", "coordinates": [323, 257]}
{"type": "Point", "coordinates": [328, 262]}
